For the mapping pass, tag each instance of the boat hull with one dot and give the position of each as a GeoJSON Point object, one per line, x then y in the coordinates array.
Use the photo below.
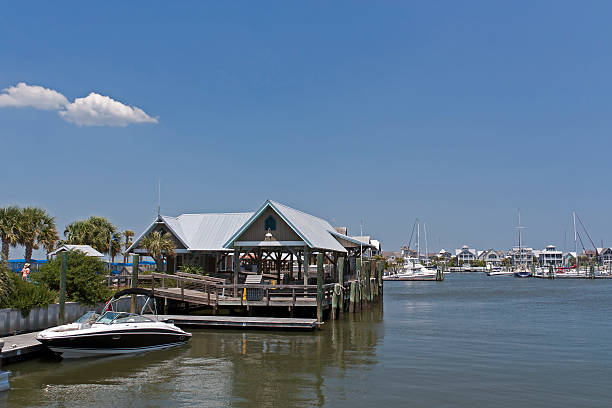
{"type": "Point", "coordinates": [110, 342]}
{"type": "Point", "coordinates": [70, 352]}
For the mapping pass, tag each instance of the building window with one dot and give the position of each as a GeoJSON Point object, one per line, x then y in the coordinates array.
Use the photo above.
{"type": "Point", "coordinates": [270, 224]}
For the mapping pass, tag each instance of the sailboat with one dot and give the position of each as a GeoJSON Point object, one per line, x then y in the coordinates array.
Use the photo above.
{"type": "Point", "coordinates": [522, 271]}
{"type": "Point", "coordinates": [413, 269]}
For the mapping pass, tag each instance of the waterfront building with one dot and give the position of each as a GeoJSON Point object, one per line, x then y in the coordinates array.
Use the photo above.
{"type": "Point", "coordinates": [605, 255]}
{"type": "Point", "coordinates": [274, 237]}
{"type": "Point", "coordinates": [465, 255]}
{"type": "Point", "coordinates": [373, 245]}
{"type": "Point", "coordinates": [522, 257]}
{"type": "Point", "coordinates": [549, 256]}
{"type": "Point", "coordinates": [444, 255]}
{"type": "Point", "coordinates": [86, 249]}
{"type": "Point", "coordinates": [491, 257]}
{"type": "Point", "coordinates": [567, 257]}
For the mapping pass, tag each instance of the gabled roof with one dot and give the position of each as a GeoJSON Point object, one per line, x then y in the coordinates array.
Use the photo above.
{"type": "Point", "coordinates": [200, 232]}
{"type": "Point", "coordinates": [363, 238]}
{"type": "Point", "coordinates": [314, 231]}
{"type": "Point", "coordinates": [86, 249]}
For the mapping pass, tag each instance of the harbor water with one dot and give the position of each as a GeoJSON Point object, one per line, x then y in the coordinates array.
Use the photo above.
{"type": "Point", "coordinates": [469, 341]}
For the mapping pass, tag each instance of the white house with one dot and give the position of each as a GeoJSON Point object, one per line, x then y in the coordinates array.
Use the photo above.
{"type": "Point", "coordinates": [491, 257]}
{"type": "Point", "coordinates": [549, 256]}
{"type": "Point", "coordinates": [524, 257]}
{"type": "Point", "coordinates": [465, 254]}
{"type": "Point", "coordinates": [606, 255]}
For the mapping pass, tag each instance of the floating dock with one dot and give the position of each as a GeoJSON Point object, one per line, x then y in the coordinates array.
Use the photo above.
{"type": "Point", "coordinates": [21, 347]}
{"type": "Point", "coordinates": [241, 322]}
{"type": "Point", "coordinates": [25, 346]}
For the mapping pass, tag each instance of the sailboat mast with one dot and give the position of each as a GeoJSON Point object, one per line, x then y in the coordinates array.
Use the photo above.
{"type": "Point", "coordinates": [418, 242]}
{"type": "Point", "coordinates": [575, 242]}
{"type": "Point", "coordinates": [426, 257]}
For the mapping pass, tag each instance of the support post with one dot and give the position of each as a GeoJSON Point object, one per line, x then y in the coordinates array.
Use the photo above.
{"type": "Point", "coordinates": [353, 297]}
{"type": "Point", "coordinates": [373, 281]}
{"type": "Point", "coordinates": [365, 268]}
{"type": "Point", "coordinates": [359, 269]}
{"type": "Point", "coordinates": [341, 283]}
{"type": "Point", "coordinates": [299, 267]}
{"type": "Point", "coordinates": [306, 264]}
{"type": "Point", "coordinates": [236, 269]}
{"type": "Point", "coordinates": [135, 267]}
{"type": "Point", "coordinates": [62, 295]}
{"type": "Point", "coordinates": [320, 288]}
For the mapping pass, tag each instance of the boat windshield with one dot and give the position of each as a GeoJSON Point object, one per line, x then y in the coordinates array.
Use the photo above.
{"type": "Point", "coordinates": [88, 317]}
{"type": "Point", "coordinates": [122, 317]}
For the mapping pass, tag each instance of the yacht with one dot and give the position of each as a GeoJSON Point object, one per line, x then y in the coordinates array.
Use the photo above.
{"type": "Point", "coordinates": [113, 332]}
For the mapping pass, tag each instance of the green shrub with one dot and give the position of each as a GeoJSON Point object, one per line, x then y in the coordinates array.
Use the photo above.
{"type": "Point", "coordinates": [194, 269]}
{"type": "Point", "coordinates": [7, 285]}
{"type": "Point", "coordinates": [85, 278]}
{"type": "Point", "coordinates": [26, 296]}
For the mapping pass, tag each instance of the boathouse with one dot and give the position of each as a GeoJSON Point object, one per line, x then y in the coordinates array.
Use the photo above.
{"type": "Point", "coordinates": [274, 257]}
{"type": "Point", "coordinates": [275, 239]}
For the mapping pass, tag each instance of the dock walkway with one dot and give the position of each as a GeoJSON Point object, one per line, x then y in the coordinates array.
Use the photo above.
{"type": "Point", "coordinates": [242, 322]}
{"type": "Point", "coordinates": [20, 347]}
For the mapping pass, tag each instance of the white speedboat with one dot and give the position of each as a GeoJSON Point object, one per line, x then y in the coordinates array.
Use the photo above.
{"type": "Point", "coordinates": [113, 332]}
{"type": "Point", "coordinates": [499, 272]}
{"type": "Point", "coordinates": [414, 271]}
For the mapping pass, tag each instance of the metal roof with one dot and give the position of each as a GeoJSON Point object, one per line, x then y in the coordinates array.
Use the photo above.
{"type": "Point", "coordinates": [86, 249]}
{"type": "Point", "coordinates": [200, 232]}
{"type": "Point", "coordinates": [206, 232]}
{"type": "Point", "coordinates": [314, 231]}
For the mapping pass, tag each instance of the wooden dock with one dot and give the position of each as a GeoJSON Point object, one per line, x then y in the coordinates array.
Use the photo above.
{"type": "Point", "coordinates": [20, 347]}
{"type": "Point", "coordinates": [241, 322]}
{"type": "Point", "coordinates": [203, 291]}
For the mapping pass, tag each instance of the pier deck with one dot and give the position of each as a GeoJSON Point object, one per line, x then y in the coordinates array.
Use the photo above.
{"type": "Point", "coordinates": [240, 322]}
{"type": "Point", "coordinates": [21, 346]}
{"type": "Point", "coordinates": [201, 291]}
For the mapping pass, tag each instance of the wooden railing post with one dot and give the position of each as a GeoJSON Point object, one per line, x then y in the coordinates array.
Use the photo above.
{"type": "Point", "coordinates": [320, 288]}
{"type": "Point", "coordinates": [134, 298]}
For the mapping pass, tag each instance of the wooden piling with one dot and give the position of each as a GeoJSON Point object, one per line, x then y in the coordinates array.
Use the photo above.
{"type": "Point", "coordinates": [373, 285]}
{"type": "Point", "coordinates": [341, 282]}
{"type": "Point", "coordinates": [353, 297]}
{"type": "Point", "coordinates": [320, 288]}
{"type": "Point", "coordinates": [62, 294]}
{"type": "Point", "coordinates": [135, 266]}
{"type": "Point", "coordinates": [334, 306]}
{"type": "Point", "coordinates": [365, 293]}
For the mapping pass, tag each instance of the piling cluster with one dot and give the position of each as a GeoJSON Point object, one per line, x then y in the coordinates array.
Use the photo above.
{"type": "Point", "coordinates": [354, 295]}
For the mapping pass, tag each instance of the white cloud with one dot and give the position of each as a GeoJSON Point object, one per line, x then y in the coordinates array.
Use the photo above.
{"type": "Point", "coordinates": [99, 110]}
{"type": "Point", "coordinates": [35, 96]}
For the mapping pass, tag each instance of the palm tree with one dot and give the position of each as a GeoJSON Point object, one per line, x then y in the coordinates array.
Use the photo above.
{"type": "Point", "coordinates": [36, 228]}
{"type": "Point", "coordinates": [95, 232]}
{"type": "Point", "coordinates": [158, 244]}
{"type": "Point", "coordinates": [9, 229]}
{"type": "Point", "coordinates": [48, 236]}
{"type": "Point", "coordinates": [127, 234]}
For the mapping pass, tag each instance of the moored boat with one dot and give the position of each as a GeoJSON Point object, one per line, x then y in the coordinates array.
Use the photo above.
{"type": "Point", "coordinates": [113, 332]}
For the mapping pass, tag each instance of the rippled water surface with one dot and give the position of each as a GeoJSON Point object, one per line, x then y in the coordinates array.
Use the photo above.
{"type": "Point", "coordinates": [470, 341]}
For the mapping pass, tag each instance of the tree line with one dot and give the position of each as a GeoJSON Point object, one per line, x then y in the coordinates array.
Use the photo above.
{"type": "Point", "coordinates": [33, 228]}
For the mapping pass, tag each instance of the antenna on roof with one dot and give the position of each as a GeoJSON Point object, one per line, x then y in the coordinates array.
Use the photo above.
{"type": "Point", "coordinates": [158, 196]}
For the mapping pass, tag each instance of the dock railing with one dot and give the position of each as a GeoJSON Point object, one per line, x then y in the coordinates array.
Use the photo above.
{"type": "Point", "coordinates": [207, 291]}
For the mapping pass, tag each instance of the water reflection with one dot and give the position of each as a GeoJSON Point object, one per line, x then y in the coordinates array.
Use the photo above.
{"type": "Point", "coordinates": [217, 368]}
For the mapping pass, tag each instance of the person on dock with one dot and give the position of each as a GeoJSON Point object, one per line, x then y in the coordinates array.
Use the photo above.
{"type": "Point", "coordinates": [25, 272]}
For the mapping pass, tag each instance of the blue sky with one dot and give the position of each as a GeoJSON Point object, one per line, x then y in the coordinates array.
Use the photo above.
{"type": "Point", "coordinates": [454, 112]}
